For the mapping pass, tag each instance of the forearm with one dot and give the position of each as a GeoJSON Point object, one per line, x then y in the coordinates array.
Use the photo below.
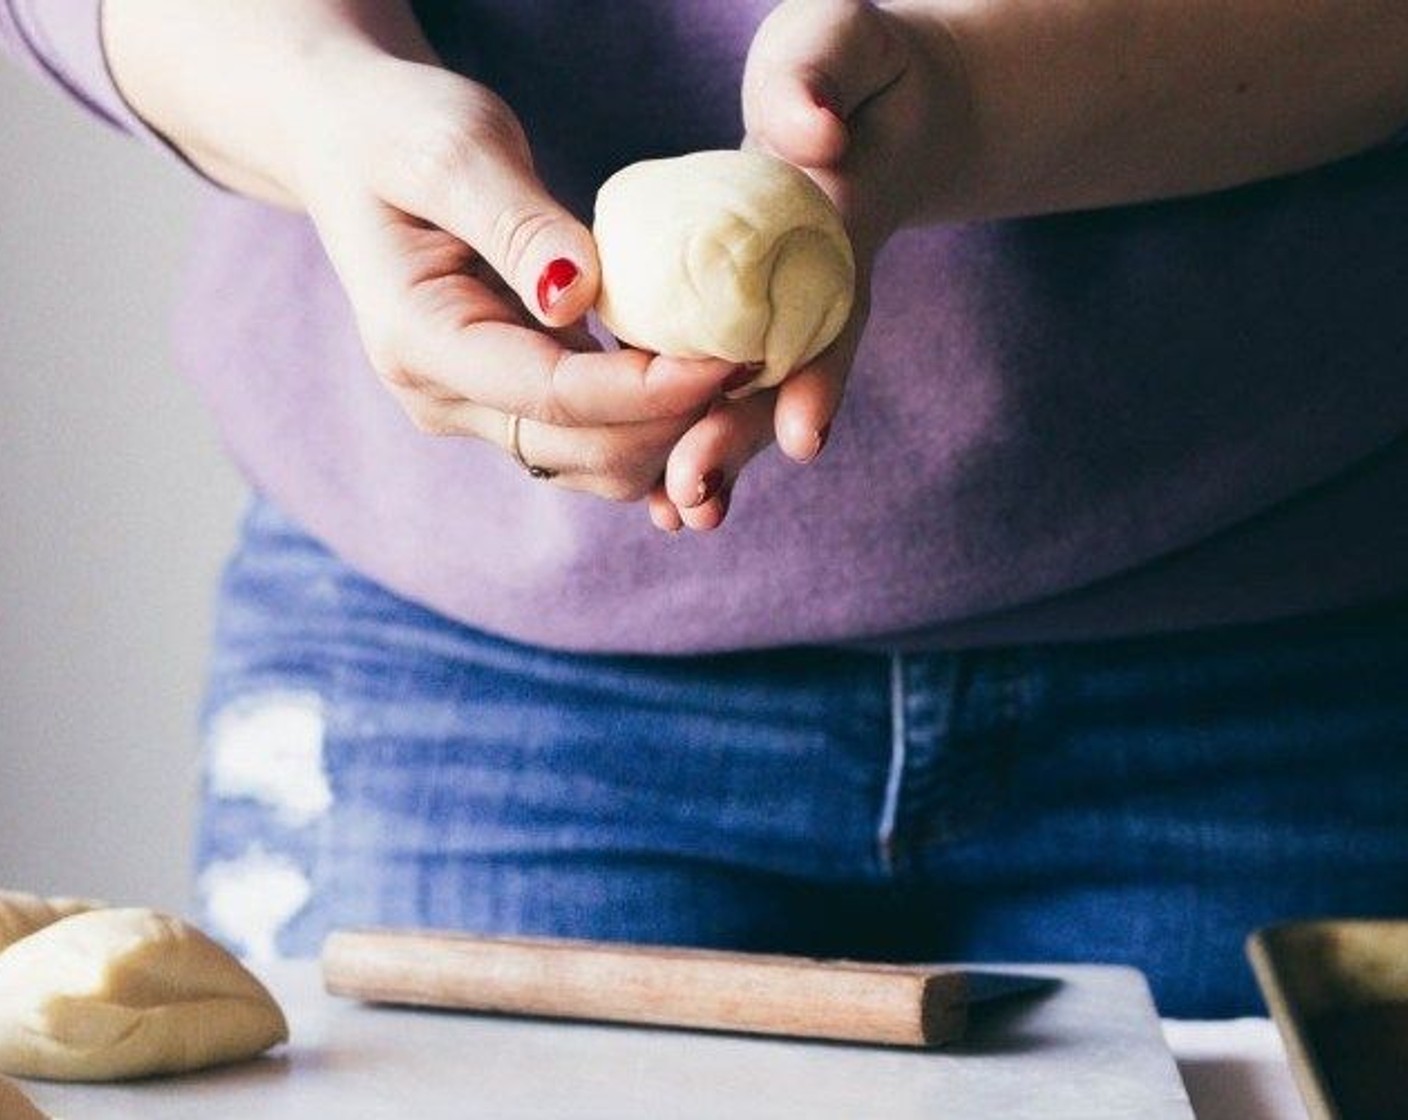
{"type": "Point", "coordinates": [1083, 103]}
{"type": "Point", "coordinates": [230, 82]}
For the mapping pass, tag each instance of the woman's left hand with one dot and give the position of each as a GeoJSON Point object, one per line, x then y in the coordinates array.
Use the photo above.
{"type": "Point", "coordinates": [848, 93]}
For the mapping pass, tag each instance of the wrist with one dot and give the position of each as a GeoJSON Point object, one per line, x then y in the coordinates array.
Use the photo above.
{"type": "Point", "coordinates": [242, 87]}
{"type": "Point", "coordinates": [943, 144]}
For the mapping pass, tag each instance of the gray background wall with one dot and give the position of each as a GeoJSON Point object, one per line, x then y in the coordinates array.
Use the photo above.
{"type": "Point", "coordinates": [115, 510]}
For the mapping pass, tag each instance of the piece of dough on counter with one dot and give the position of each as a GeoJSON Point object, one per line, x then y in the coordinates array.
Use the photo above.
{"type": "Point", "coordinates": [14, 1105]}
{"type": "Point", "coordinates": [22, 914]}
{"type": "Point", "coordinates": [113, 994]}
{"type": "Point", "coordinates": [726, 254]}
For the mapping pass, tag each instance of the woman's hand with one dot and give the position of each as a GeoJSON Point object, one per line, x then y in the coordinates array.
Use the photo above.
{"type": "Point", "coordinates": [470, 283]}
{"type": "Point", "coordinates": [468, 280]}
{"type": "Point", "coordinates": [846, 92]}
{"type": "Point", "coordinates": [916, 111]}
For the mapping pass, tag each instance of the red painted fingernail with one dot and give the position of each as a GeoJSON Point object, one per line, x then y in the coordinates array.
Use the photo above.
{"type": "Point", "coordinates": [742, 375]}
{"type": "Point", "coordinates": [823, 99]}
{"type": "Point", "coordinates": [709, 485]}
{"type": "Point", "coordinates": [559, 275]}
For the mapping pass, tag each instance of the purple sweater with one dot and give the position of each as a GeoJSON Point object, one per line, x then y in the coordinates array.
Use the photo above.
{"type": "Point", "coordinates": [1138, 419]}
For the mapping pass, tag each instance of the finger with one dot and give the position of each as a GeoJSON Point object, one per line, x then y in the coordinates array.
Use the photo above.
{"type": "Point", "coordinates": [430, 325]}
{"type": "Point", "coordinates": [807, 403]}
{"type": "Point", "coordinates": [512, 369]}
{"type": "Point", "coordinates": [808, 400]}
{"type": "Point", "coordinates": [620, 463]}
{"type": "Point", "coordinates": [663, 514]}
{"type": "Point", "coordinates": [706, 462]}
{"type": "Point", "coordinates": [811, 68]}
{"type": "Point", "coordinates": [472, 175]}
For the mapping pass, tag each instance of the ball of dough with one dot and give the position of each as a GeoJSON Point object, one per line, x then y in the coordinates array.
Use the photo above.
{"type": "Point", "coordinates": [22, 914]}
{"type": "Point", "coordinates": [14, 1105]}
{"type": "Point", "coordinates": [114, 994]}
{"type": "Point", "coordinates": [731, 254]}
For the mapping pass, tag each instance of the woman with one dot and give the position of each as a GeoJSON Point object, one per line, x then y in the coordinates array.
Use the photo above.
{"type": "Point", "coordinates": [1064, 621]}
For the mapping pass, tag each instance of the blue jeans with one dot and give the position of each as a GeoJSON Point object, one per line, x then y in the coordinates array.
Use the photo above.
{"type": "Point", "coordinates": [1146, 802]}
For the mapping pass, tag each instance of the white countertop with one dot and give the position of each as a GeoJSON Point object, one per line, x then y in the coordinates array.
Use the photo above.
{"type": "Point", "coordinates": [1235, 1070]}
{"type": "Point", "coordinates": [1092, 1052]}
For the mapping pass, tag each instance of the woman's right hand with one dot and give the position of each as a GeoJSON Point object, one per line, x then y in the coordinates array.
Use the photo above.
{"type": "Point", "coordinates": [468, 280]}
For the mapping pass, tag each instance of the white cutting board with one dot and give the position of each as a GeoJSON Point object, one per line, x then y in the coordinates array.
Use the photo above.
{"type": "Point", "coordinates": [1090, 1050]}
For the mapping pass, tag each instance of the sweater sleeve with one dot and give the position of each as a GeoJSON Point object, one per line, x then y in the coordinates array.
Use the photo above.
{"type": "Point", "coordinates": [61, 41]}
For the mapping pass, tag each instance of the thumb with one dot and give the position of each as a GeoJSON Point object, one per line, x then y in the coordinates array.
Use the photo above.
{"type": "Point", "coordinates": [812, 67]}
{"type": "Point", "coordinates": [476, 181]}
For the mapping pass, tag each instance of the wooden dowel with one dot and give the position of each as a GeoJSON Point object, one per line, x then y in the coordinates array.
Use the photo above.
{"type": "Point", "coordinates": [796, 996]}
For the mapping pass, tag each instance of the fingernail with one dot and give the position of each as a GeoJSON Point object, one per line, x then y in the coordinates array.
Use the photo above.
{"type": "Point", "coordinates": [742, 375]}
{"type": "Point", "coordinates": [709, 485]}
{"type": "Point", "coordinates": [825, 100]}
{"type": "Point", "coordinates": [819, 442]}
{"type": "Point", "coordinates": [559, 275]}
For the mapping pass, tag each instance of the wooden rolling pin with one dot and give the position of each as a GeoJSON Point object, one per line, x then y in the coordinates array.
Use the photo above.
{"type": "Point", "coordinates": [896, 1005]}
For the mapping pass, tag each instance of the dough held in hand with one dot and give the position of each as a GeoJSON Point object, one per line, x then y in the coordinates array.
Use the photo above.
{"type": "Point", "coordinates": [728, 254]}
{"type": "Point", "coordinates": [22, 914]}
{"type": "Point", "coordinates": [14, 1105]}
{"type": "Point", "coordinates": [114, 994]}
